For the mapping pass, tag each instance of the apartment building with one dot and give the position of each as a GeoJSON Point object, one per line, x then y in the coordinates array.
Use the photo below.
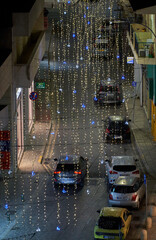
{"type": "Point", "coordinates": [142, 40]}
{"type": "Point", "coordinates": [22, 46]}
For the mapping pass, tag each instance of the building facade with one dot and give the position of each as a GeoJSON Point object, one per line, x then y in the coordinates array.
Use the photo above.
{"type": "Point", "coordinates": [142, 40]}
{"type": "Point", "coordinates": [22, 46]}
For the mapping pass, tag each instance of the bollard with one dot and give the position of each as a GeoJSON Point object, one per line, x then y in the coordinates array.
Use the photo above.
{"type": "Point", "coordinates": [153, 211]}
{"type": "Point", "coordinates": [148, 222]}
{"type": "Point", "coordinates": [143, 235]}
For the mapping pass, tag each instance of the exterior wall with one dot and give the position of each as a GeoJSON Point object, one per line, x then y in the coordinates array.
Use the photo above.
{"type": "Point", "coordinates": [153, 121]}
{"type": "Point", "coordinates": [138, 80]}
{"type": "Point", "coordinates": [5, 75]}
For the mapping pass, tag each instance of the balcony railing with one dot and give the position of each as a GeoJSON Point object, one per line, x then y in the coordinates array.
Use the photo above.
{"type": "Point", "coordinates": [142, 44]}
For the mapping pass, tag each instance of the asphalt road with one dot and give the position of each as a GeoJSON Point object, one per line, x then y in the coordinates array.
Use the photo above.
{"type": "Point", "coordinates": [69, 213]}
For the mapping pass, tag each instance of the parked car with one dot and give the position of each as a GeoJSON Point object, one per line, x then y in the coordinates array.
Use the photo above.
{"type": "Point", "coordinates": [117, 129]}
{"type": "Point", "coordinates": [108, 92]}
{"type": "Point", "coordinates": [70, 169]}
{"type": "Point", "coordinates": [127, 191]}
{"type": "Point", "coordinates": [121, 166]}
{"type": "Point", "coordinates": [113, 223]}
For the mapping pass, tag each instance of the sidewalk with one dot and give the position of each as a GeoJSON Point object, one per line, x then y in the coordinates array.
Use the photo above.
{"type": "Point", "coordinates": [146, 149]}
{"type": "Point", "coordinates": [34, 151]}
{"type": "Point", "coordinates": [30, 164]}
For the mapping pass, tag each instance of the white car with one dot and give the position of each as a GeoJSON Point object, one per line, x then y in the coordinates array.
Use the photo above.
{"type": "Point", "coordinates": [121, 166]}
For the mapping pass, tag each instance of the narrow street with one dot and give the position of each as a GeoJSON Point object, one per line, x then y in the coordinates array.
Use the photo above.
{"type": "Point", "coordinates": [71, 75]}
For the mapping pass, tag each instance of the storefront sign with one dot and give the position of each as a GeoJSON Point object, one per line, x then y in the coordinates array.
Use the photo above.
{"type": "Point", "coordinates": [40, 85]}
{"type": "Point", "coordinates": [4, 150]}
{"type": "Point", "coordinates": [130, 60]}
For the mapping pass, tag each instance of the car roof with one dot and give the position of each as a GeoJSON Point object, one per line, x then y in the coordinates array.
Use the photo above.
{"type": "Point", "coordinates": [122, 160]}
{"type": "Point", "coordinates": [112, 211]}
{"type": "Point", "coordinates": [125, 181]}
{"type": "Point", "coordinates": [109, 81]}
{"type": "Point", "coordinates": [68, 159]}
{"type": "Point", "coordinates": [117, 118]}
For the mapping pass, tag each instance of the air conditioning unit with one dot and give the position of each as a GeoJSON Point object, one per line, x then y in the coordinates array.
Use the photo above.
{"type": "Point", "coordinates": [142, 53]}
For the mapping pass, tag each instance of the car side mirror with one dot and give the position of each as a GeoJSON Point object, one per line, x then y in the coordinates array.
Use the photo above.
{"type": "Point", "coordinates": [98, 211]}
{"type": "Point", "coordinates": [55, 159]}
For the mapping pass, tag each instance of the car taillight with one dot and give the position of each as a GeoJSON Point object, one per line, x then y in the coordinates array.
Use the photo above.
{"type": "Point", "coordinates": [77, 172]}
{"type": "Point", "coordinates": [110, 196]}
{"type": "Point", "coordinates": [136, 172]}
{"type": "Point", "coordinates": [134, 197]}
{"type": "Point", "coordinates": [113, 172]}
{"type": "Point", "coordinates": [107, 130]}
{"type": "Point", "coordinates": [57, 172]}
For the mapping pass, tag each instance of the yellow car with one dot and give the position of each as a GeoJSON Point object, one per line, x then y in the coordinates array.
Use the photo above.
{"type": "Point", "coordinates": [113, 223]}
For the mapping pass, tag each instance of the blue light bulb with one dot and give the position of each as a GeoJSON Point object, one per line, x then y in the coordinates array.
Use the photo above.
{"type": "Point", "coordinates": [74, 35]}
{"type": "Point", "coordinates": [32, 173]}
{"type": "Point", "coordinates": [88, 22]}
{"type": "Point", "coordinates": [83, 106]}
{"type": "Point", "coordinates": [64, 191]}
{"type": "Point", "coordinates": [6, 206]}
{"type": "Point", "coordinates": [123, 77]}
{"type": "Point", "coordinates": [86, 47]}
{"type": "Point", "coordinates": [58, 229]}
{"type": "Point", "coordinates": [74, 91]}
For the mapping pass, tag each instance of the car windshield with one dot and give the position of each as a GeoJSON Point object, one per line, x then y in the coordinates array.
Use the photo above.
{"type": "Point", "coordinates": [124, 168]}
{"type": "Point", "coordinates": [125, 189]}
{"type": "Point", "coordinates": [108, 88]}
{"type": "Point", "coordinates": [109, 222]}
{"type": "Point", "coordinates": [101, 45]}
{"type": "Point", "coordinates": [67, 167]}
{"type": "Point", "coordinates": [118, 125]}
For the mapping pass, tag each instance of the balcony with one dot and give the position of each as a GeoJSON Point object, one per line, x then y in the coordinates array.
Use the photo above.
{"type": "Point", "coordinates": [27, 65]}
{"type": "Point", "coordinates": [5, 71]}
{"type": "Point", "coordinates": [24, 18]}
{"type": "Point", "coordinates": [142, 44]}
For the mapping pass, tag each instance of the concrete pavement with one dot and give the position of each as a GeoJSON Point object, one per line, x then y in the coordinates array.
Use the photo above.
{"type": "Point", "coordinates": [146, 149]}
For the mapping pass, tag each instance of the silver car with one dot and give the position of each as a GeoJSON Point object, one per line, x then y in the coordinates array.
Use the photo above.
{"type": "Point", "coordinates": [121, 166]}
{"type": "Point", "coordinates": [127, 191]}
{"type": "Point", "coordinates": [70, 169]}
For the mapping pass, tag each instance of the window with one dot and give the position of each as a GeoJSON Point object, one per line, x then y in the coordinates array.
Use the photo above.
{"type": "Point", "coordinates": [124, 168]}
{"type": "Point", "coordinates": [110, 222]}
{"type": "Point", "coordinates": [67, 167]}
{"type": "Point", "coordinates": [123, 189]}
